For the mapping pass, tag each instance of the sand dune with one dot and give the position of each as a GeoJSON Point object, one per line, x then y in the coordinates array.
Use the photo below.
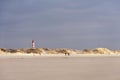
{"type": "Point", "coordinates": [59, 52]}
{"type": "Point", "coordinates": [52, 64]}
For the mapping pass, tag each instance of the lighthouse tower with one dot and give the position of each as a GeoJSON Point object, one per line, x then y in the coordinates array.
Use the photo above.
{"type": "Point", "coordinates": [33, 44]}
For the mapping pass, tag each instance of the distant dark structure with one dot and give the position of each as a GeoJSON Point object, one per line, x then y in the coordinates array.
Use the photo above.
{"type": "Point", "coordinates": [67, 54]}
{"type": "Point", "coordinates": [33, 44]}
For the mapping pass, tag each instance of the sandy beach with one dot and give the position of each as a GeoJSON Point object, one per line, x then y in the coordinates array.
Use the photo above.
{"type": "Point", "coordinates": [59, 40]}
{"type": "Point", "coordinates": [59, 68]}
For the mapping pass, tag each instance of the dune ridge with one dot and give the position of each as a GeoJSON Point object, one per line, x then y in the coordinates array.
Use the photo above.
{"type": "Point", "coordinates": [65, 51]}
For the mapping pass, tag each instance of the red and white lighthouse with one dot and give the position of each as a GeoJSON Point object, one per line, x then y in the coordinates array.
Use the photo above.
{"type": "Point", "coordinates": [33, 44]}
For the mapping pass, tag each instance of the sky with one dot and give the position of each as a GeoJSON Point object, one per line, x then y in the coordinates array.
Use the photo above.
{"type": "Point", "coordinates": [76, 24]}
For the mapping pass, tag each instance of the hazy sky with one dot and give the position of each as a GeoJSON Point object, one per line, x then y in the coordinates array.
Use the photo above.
{"type": "Point", "coordinates": [76, 24]}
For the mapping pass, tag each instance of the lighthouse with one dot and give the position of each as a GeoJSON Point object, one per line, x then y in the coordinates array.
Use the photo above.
{"type": "Point", "coordinates": [33, 44]}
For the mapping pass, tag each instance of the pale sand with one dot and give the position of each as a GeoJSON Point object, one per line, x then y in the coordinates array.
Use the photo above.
{"type": "Point", "coordinates": [51, 55]}
{"type": "Point", "coordinates": [59, 68]}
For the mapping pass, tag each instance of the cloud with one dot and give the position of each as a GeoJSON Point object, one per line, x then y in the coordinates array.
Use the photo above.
{"type": "Point", "coordinates": [60, 23]}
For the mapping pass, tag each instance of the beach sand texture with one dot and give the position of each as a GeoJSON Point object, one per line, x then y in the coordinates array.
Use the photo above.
{"type": "Point", "coordinates": [60, 68]}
